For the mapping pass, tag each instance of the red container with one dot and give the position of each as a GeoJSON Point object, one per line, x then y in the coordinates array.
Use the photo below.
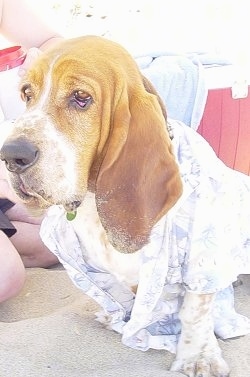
{"type": "Point", "coordinates": [11, 105]}
{"type": "Point", "coordinates": [226, 126]}
{"type": "Point", "coordinates": [11, 57]}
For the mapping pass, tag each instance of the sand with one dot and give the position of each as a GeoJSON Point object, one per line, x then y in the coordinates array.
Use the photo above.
{"type": "Point", "coordinates": [50, 330]}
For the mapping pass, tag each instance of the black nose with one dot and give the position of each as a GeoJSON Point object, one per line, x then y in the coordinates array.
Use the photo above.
{"type": "Point", "coordinates": [19, 155]}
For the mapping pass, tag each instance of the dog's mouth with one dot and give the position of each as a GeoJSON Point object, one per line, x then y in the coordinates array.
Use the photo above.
{"type": "Point", "coordinates": [39, 199]}
{"type": "Point", "coordinates": [25, 193]}
{"type": "Point", "coordinates": [31, 198]}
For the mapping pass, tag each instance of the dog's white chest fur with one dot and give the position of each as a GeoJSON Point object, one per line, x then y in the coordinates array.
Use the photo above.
{"type": "Point", "coordinates": [97, 250]}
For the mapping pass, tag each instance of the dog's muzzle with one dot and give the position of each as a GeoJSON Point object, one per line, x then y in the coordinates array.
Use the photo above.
{"type": "Point", "coordinates": [19, 155]}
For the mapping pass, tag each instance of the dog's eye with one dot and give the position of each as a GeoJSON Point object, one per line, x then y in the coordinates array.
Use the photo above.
{"type": "Point", "coordinates": [26, 93]}
{"type": "Point", "coordinates": [81, 99]}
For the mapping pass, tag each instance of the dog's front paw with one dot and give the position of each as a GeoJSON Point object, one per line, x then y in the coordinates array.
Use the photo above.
{"type": "Point", "coordinates": [105, 319]}
{"type": "Point", "coordinates": [203, 365]}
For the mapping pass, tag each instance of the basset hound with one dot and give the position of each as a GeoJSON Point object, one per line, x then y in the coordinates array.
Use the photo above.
{"type": "Point", "coordinates": [95, 142]}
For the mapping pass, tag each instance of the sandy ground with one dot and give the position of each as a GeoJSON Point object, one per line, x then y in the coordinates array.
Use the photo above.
{"type": "Point", "coordinates": [50, 330]}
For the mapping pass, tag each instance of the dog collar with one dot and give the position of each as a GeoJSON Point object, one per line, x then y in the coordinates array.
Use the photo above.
{"type": "Point", "coordinates": [170, 130]}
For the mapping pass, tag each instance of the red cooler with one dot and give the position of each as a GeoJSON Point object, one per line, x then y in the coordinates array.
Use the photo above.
{"type": "Point", "coordinates": [226, 120]}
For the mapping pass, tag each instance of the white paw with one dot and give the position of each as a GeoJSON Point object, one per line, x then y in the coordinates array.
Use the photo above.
{"type": "Point", "coordinates": [105, 319]}
{"type": "Point", "coordinates": [203, 365]}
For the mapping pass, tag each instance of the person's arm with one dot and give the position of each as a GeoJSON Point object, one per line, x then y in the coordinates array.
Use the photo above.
{"type": "Point", "coordinates": [22, 25]}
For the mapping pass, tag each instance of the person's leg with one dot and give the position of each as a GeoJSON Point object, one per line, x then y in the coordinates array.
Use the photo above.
{"type": "Point", "coordinates": [27, 240]}
{"type": "Point", "coordinates": [12, 271]}
{"type": "Point", "coordinates": [29, 245]}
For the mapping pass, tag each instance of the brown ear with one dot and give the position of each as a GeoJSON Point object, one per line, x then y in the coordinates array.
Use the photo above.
{"type": "Point", "coordinates": [138, 180]}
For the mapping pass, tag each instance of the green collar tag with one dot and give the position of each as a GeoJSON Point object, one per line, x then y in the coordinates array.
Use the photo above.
{"type": "Point", "coordinates": [71, 215]}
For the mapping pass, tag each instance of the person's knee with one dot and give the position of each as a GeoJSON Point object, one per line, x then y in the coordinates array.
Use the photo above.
{"type": "Point", "coordinates": [41, 258]}
{"type": "Point", "coordinates": [12, 279]}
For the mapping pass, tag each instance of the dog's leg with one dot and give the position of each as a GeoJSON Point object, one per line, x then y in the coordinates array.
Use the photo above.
{"type": "Point", "coordinates": [198, 352]}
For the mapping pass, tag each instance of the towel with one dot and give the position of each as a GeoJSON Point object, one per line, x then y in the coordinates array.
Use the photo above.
{"type": "Point", "coordinates": [180, 82]}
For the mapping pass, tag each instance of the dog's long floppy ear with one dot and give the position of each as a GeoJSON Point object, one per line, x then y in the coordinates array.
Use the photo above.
{"type": "Point", "coordinates": [138, 181]}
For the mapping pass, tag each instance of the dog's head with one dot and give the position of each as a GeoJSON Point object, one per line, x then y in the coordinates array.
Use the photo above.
{"type": "Point", "coordinates": [94, 123]}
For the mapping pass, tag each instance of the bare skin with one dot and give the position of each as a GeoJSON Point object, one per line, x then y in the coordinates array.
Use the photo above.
{"type": "Point", "coordinates": [20, 24]}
